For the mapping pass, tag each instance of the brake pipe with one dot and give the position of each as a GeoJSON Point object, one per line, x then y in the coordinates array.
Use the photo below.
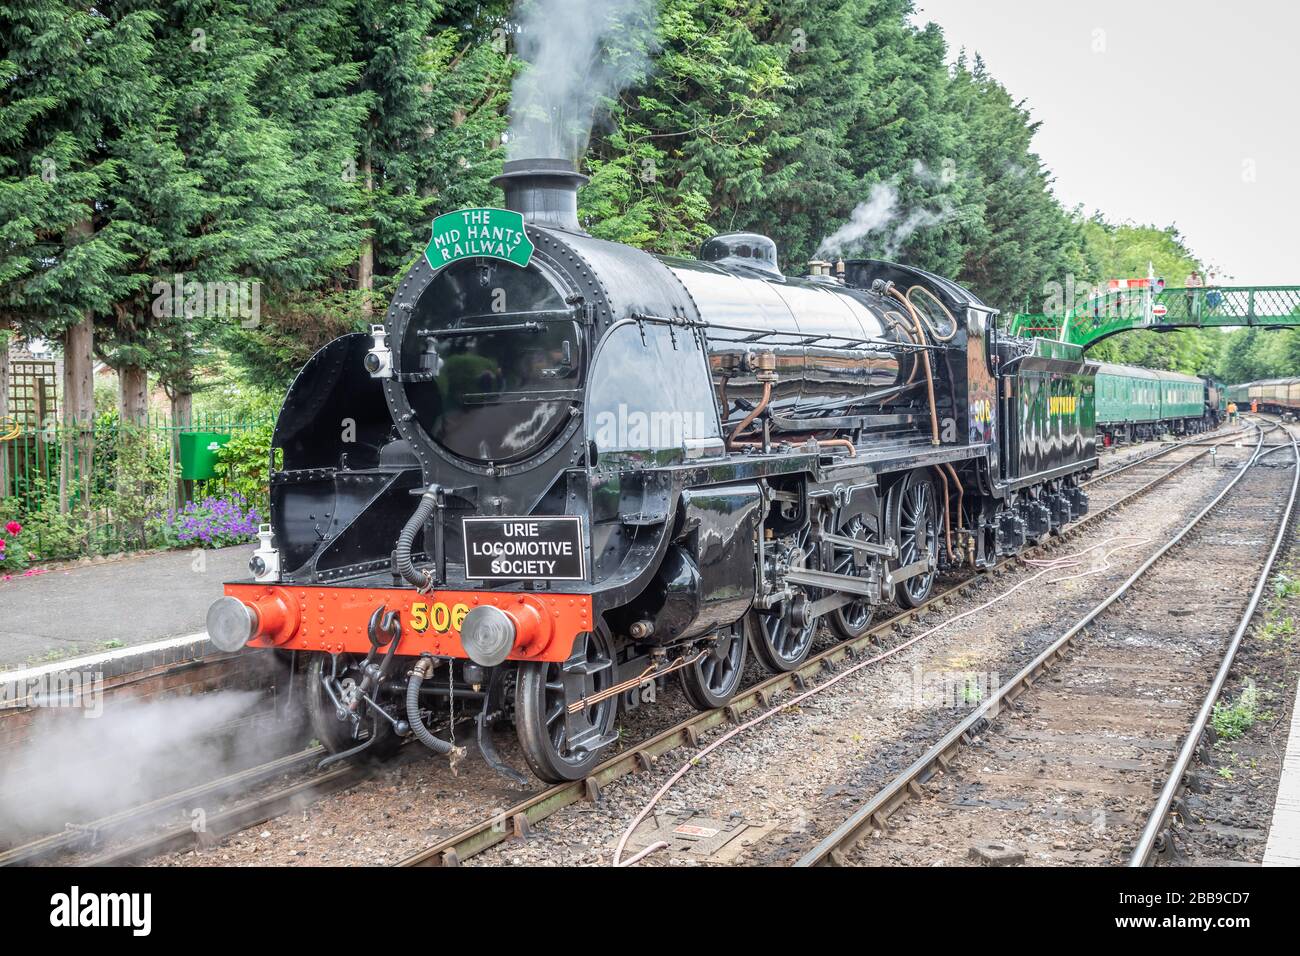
{"type": "Point", "coordinates": [419, 674]}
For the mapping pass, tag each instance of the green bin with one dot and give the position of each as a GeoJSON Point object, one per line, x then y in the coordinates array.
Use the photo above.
{"type": "Point", "coordinates": [199, 454]}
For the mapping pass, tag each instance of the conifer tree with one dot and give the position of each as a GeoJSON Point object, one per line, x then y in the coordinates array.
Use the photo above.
{"type": "Point", "coordinates": [76, 74]}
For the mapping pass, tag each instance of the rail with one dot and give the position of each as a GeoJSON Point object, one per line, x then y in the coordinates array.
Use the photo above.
{"type": "Point", "coordinates": [1148, 841]}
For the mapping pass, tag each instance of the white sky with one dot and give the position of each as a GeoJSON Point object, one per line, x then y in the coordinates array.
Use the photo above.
{"type": "Point", "coordinates": [1159, 112]}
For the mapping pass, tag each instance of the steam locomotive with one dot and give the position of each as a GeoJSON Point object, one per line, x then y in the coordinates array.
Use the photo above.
{"type": "Point", "coordinates": [564, 471]}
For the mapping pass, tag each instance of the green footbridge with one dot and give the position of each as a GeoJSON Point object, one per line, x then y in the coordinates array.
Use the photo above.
{"type": "Point", "coordinates": [1127, 310]}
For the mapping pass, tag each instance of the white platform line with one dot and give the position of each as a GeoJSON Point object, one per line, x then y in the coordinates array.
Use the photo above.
{"type": "Point", "coordinates": [91, 662]}
{"type": "Point", "coordinates": [1283, 847]}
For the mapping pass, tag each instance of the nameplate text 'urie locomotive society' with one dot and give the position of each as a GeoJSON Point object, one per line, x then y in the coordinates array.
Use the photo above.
{"type": "Point", "coordinates": [512, 549]}
{"type": "Point", "coordinates": [479, 233]}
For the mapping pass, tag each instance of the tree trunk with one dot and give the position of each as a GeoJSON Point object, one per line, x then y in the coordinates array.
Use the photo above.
{"type": "Point", "coordinates": [182, 418]}
{"type": "Point", "coordinates": [78, 412]}
{"type": "Point", "coordinates": [366, 265]}
{"type": "Point", "coordinates": [133, 395]}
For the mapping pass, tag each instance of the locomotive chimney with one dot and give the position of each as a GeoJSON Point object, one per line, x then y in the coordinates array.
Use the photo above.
{"type": "Point", "coordinates": [545, 191]}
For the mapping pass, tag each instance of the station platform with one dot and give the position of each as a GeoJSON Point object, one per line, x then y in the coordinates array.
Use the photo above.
{"type": "Point", "coordinates": [85, 609]}
{"type": "Point", "coordinates": [1283, 848]}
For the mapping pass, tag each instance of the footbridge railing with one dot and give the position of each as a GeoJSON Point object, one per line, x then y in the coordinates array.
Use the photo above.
{"type": "Point", "coordinates": [1127, 310]}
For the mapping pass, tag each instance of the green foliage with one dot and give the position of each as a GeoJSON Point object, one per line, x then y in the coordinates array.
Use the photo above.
{"type": "Point", "coordinates": [1017, 238]}
{"type": "Point", "coordinates": [242, 464]}
{"type": "Point", "coordinates": [48, 532]}
{"type": "Point", "coordinates": [143, 479]}
{"type": "Point", "coordinates": [120, 502]}
{"type": "Point", "coordinates": [1249, 355]}
{"type": "Point", "coordinates": [234, 394]}
{"type": "Point", "coordinates": [57, 256]}
{"type": "Point", "coordinates": [1285, 586]}
{"type": "Point", "coordinates": [306, 145]}
{"type": "Point", "coordinates": [781, 118]}
{"type": "Point", "coordinates": [1230, 721]}
{"type": "Point", "coordinates": [1128, 251]}
{"type": "Point", "coordinates": [683, 154]}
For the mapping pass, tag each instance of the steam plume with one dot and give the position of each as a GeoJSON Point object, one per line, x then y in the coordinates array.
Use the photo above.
{"type": "Point", "coordinates": [73, 769]}
{"type": "Point", "coordinates": [578, 51]}
{"type": "Point", "coordinates": [882, 224]}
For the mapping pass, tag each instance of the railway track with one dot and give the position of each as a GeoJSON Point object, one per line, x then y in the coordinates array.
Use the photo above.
{"type": "Point", "coordinates": [1132, 480]}
{"type": "Point", "coordinates": [81, 836]}
{"type": "Point", "coordinates": [1213, 439]}
{"type": "Point", "coordinates": [1068, 773]}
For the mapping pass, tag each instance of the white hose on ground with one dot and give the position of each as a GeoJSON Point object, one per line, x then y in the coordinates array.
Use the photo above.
{"type": "Point", "coordinates": [1071, 562]}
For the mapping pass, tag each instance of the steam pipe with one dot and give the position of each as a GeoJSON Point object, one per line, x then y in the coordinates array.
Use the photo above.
{"type": "Point", "coordinates": [749, 419]}
{"type": "Point", "coordinates": [792, 439]}
{"type": "Point", "coordinates": [892, 290]}
{"type": "Point", "coordinates": [961, 498]}
{"type": "Point", "coordinates": [840, 443]}
{"type": "Point", "coordinates": [947, 512]}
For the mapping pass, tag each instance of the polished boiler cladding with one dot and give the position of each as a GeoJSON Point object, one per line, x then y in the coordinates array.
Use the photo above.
{"type": "Point", "coordinates": [564, 472]}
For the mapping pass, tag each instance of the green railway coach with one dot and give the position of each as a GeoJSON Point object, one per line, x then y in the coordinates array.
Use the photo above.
{"type": "Point", "coordinates": [1141, 403]}
{"type": "Point", "coordinates": [1182, 398]}
{"type": "Point", "coordinates": [1240, 394]}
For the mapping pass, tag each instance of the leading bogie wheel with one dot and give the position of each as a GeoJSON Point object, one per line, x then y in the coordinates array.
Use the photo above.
{"type": "Point", "coordinates": [332, 681]}
{"type": "Point", "coordinates": [712, 680]}
{"type": "Point", "coordinates": [781, 643]}
{"type": "Point", "coordinates": [562, 741]}
{"type": "Point", "coordinates": [914, 526]}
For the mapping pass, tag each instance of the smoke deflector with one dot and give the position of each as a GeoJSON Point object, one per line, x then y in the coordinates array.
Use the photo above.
{"type": "Point", "coordinates": [545, 191]}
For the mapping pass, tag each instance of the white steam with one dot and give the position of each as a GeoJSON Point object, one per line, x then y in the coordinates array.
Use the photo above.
{"type": "Point", "coordinates": [883, 223]}
{"type": "Point", "coordinates": [72, 769]}
{"type": "Point", "coordinates": [577, 51]}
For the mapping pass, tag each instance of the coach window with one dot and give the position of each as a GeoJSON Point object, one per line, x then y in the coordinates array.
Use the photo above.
{"type": "Point", "coordinates": [651, 394]}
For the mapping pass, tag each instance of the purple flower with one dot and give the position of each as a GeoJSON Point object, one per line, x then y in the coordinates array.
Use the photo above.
{"type": "Point", "coordinates": [215, 521]}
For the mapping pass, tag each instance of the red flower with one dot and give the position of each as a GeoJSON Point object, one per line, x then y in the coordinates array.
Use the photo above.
{"type": "Point", "coordinates": [14, 528]}
{"type": "Point", "coordinates": [2, 544]}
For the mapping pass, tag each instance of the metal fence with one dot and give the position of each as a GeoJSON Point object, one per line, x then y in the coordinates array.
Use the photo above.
{"type": "Point", "coordinates": [100, 487]}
